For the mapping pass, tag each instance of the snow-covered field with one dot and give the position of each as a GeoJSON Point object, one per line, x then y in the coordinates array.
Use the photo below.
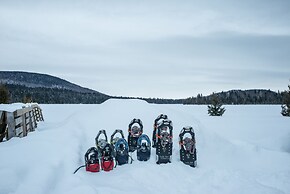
{"type": "Point", "coordinates": [247, 151]}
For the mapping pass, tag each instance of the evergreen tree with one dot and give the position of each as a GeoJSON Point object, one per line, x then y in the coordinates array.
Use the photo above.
{"type": "Point", "coordinates": [286, 103]}
{"type": "Point", "coordinates": [215, 109]}
{"type": "Point", "coordinates": [4, 95]}
{"type": "Point", "coordinates": [27, 98]}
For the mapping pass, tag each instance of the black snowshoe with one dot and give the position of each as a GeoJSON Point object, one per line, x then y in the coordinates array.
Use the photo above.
{"type": "Point", "coordinates": [156, 121]}
{"type": "Point", "coordinates": [187, 147]}
{"type": "Point", "coordinates": [135, 131]}
{"type": "Point", "coordinates": [106, 151]}
{"type": "Point", "coordinates": [164, 142]}
{"type": "Point", "coordinates": [143, 148]}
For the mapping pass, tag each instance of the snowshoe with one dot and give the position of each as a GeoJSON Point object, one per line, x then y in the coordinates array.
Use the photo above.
{"type": "Point", "coordinates": [122, 152]}
{"type": "Point", "coordinates": [107, 158]}
{"type": "Point", "coordinates": [143, 148]}
{"type": "Point", "coordinates": [156, 121]}
{"type": "Point", "coordinates": [115, 139]}
{"type": "Point", "coordinates": [187, 147]}
{"type": "Point", "coordinates": [101, 142]}
{"type": "Point", "coordinates": [92, 160]}
{"type": "Point", "coordinates": [164, 142]}
{"type": "Point", "coordinates": [135, 130]}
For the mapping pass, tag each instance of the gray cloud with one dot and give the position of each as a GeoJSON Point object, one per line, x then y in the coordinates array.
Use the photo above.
{"type": "Point", "coordinates": [150, 48]}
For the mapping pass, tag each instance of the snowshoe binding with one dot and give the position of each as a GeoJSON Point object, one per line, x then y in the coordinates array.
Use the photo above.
{"type": "Point", "coordinates": [115, 139]}
{"type": "Point", "coordinates": [156, 121]}
{"type": "Point", "coordinates": [101, 142]}
{"type": "Point", "coordinates": [187, 146]}
{"type": "Point", "coordinates": [135, 131]}
{"type": "Point", "coordinates": [143, 148]}
{"type": "Point", "coordinates": [164, 142]}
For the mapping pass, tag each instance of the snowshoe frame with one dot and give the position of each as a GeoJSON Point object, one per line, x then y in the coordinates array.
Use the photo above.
{"type": "Point", "coordinates": [188, 157]}
{"type": "Point", "coordinates": [161, 116]}
{"type": "Point", "coordinates": [164, 149]}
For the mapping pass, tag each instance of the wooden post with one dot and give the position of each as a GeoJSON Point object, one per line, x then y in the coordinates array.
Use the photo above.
{"type": "Point", "coordinates": [3, 125]}
{"type": "Point", "coordinates": [34, 117]}
{"type": "Point", "coordinates": [24, 126]}
{"type": "Point", "coordinates": [10, 124]}
{"type": "Point", "coordinates": [31, 128]}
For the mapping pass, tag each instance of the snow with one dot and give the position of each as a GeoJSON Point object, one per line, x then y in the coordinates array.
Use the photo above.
{"type": "Point", "coordinates": [14, 106]}
{"type": "Point", "coordinates": [246, 151]}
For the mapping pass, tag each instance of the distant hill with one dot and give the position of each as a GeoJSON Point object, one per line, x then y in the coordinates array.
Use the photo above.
{"type": "Point", "coordinates": [254, 96]}
{"type": "Point", "coordinates": [37, 80]}
{"type": "Point", "coordinates": [48, 89]}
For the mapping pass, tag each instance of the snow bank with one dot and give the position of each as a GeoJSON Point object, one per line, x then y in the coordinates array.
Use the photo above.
{"type": "Point", "coordinates": [14, 106]}
{"type": "Point", "coordinates": [245, 151]}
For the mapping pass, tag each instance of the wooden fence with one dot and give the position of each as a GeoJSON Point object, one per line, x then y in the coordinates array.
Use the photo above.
{"type": "Point", "coordinates": [19, 122]}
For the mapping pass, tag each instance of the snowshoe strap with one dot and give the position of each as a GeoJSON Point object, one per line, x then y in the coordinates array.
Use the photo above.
{"type": "Point", "coordinates": [131, 159]}
{"type": "Point", "coordinates": [79, 168]}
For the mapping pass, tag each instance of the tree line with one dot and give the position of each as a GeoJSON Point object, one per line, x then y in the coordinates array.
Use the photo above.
{"type": "Point", "coordinates": [20, 93]}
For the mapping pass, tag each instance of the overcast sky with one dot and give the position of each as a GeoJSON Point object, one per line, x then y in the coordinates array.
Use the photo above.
{"type": "Point", "coordinates": [170, 49]}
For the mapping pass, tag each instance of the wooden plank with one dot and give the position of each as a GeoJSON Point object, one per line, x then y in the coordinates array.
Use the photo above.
{"type": "Point", "coordinates": [18, 121]}
{"type": "Point", "coordinates": [22, 111]}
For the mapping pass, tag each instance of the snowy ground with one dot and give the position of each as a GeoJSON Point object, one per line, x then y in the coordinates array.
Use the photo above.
{"type": "Point", "coordinates": [247, 151]}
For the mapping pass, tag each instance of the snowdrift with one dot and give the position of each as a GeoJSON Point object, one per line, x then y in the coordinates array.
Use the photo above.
{"type": "Point", "coordinates": [245, 151]}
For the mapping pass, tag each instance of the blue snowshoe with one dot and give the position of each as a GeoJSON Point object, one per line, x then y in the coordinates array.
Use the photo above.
{"type": "Point", "coordinates": [122, 152]}
{"type": "Point", "coordinates": [143, 148]}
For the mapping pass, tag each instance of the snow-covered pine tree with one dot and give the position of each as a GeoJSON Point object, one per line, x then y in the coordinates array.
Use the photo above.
{"type": "Point", "coordinates": [286, 103]}
{"type": "Point", "coordinates": [215, 109]}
